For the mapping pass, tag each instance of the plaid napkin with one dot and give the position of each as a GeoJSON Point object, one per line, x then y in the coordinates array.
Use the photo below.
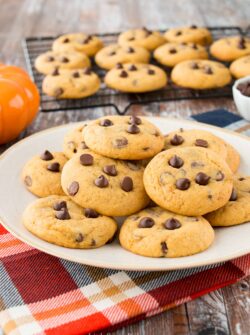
{"type": "Point", "coordinates": [41, 294]}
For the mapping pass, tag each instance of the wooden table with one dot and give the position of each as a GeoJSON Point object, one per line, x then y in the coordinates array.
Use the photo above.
{"type": "Point", "coordinates": [225, 311]}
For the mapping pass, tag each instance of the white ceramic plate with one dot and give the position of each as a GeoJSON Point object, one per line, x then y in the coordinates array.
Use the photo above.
{"type": "Point", "coordinates": [229, 242]}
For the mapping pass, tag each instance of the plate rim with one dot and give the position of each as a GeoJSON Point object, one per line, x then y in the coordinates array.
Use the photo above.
{"type": "Point", "coordinates": [102, 264]}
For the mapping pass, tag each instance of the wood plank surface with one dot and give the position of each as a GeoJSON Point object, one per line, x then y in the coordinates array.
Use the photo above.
{"type": "Point", "coordinates": [225, 311]}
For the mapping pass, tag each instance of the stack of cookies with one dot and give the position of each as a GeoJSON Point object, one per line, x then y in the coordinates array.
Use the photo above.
{"type": "Point", "coordinates": [172, 189]}
{"type": "Point", "coordinates": [182, 51]}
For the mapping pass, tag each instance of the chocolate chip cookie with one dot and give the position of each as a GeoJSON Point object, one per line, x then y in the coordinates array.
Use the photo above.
{"type": "Point", "coordinates": [114, 54]}
{"type": "Point", "coordinates": [143, 37]}
{"type": "Point", "coordinates": [71, 84]}
{"type": "Point", "coordinates": [237, 210]}
{"type": "Point", "coordinates": [204, 139]}
{"type": "Point", "coordinates": [201, 74]}
{"type": "Point", "coordinates": [241, 67]}
{"type": "Point", "coordinates": [156, 232]}
{"type": "Point", "coordinates": [191, 34]}
{"type": "Point", "coordinates": [111, 187]}
{"type": "Point", "coordinates": [136, 78]}
{"type": "Point", "coordinates": [58, 220]}
{"type": "Point", "coordinates": [73, 142]}
{"type": "Point", "coordinates": [123, 137]}
{"type": "Point", "coordinates": [47, 62]}
{"type": "Point", "coordinates": [42, 174]}
{"type": "Point", "coordinates": [173, 53]}
{"type": "Point", "coordinates": [189, 180]}
{"type": "Point", "coordinates": [230, 48]}
{"type": "Point", "coordinates": [81, 42]}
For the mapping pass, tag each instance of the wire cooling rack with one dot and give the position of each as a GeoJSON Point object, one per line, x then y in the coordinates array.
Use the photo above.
{"type": "Point", "coordinates": [34, 46]}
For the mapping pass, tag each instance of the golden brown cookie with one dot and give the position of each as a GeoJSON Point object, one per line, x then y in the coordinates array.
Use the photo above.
{"type": "Point", "coordinates": [191, 34]}
{"type": "Point", "coordinates": [241, 67]}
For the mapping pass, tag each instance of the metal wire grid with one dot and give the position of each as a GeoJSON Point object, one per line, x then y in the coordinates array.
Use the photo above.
{"type": "Point", "coordinates": [34, 46]}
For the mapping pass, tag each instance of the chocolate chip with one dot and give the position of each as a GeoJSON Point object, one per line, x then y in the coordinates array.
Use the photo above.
{"type": "Point", "coordinates": [241, 178]}
{"type": "Point", "coordinates": [172, 224]}
{"type": "Point", "coordinates": [134, 120]}
{"type": "Point", "coordinates": [146, 148]}
{"type": "Point", "coordinates": [90, 213]}
{"type": "Point", "coordinates": [28, 181]}
{"type": "Point", "coordinates": [93, 243]}
{"type": "Point", "coordinates": [194, 46]}
{"type": "Point", "coordinates": [66, 40]}
{"type": "Point", "coordinates": [101, 181]}
{"type": "Point", "coordinates": [84, 145]}
{"type": "Point", "coordinates": [60, 205]}
{"type": "Point", "coordinates": [64, 60]}
{"type": "Point", "coordinates": [219, 176]}
{"type": "Point", "coordinates": [105, 123]}
{"type": "Point", "coordinates": [172, 51]}
{"type": "Point", "coordinates": [178, 33]}
{"type": "Point", "coordinates": [46, 156]}
{"type": "Point", "coordinates": [58, 91]}
{"type": "Point", "coordinates": [233, 196]}
{"type": "Point", "coordinates": [79, 238]}
{"type": "Point", "coordinates": [76, 75]}
{"type": "Point", "coordinates": [55, 72]}
{"type": "Point", "coordinates": [133, 129]}
{"type": "Point", "coordinates": [176, 162]}
{"type": "Point", "coordinates": [127, 184]}
{"type": "Point", "coordinates": [207, 70]}
{"type": "Point", "coordinates": [201, 143]}
{"type": "Point", "coordinates": [110, 170]}
{"type": "Point", "coordinates": [177, 140]}
{"type": "Point", "coordinates": [120, 142]}
{"type": "Point", "coordinates": [73, 188]}
{"type": "Point", "coordinates": [63, 214]}
{"type": "Point", "coordinates": [164, 247]}
{"type": "Point", "coordinates": [202, 179]}
{"type": "Point", "coordinates": [182, 184]}
{"type": "Point", "coordinates": [87, 40]}
{"type": "Point", "coordinates": [151, 72]}
{"type": "Point", "coordinates": [146, 222]}
{"type": "Point", "coordinates": [87, 71]}
{"type": "Point", "coordinates": [123, 74]}
{"type": "Point", "coordinates": [194, 66]}
{"type": "Point", "coordinates": [86, 159]}
{"type": "Point", "coordinates": [242, 43]}
{"type": "Point", "coordinates": [193, 26]}
{"type": "Point", "coordinates": [112, 53]}
{"type": "Point", "coordinates": [53, 167]}
{"type": "Point", "coordinates": [131, 39]}
{"type": "Point", "coordinates": [130, 50]}
{"type": "Point", "coordinates": [147, 31]}
{"type": "Point", "coordinates": [132, 68]}
{"type": "Point", "coordinates": [119, 66]}
{"type": "Point", "coordinates": [50, 59]}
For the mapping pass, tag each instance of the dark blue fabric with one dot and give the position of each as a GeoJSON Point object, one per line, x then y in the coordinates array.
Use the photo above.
{"type": "Point", "coordinates": [217, 117]}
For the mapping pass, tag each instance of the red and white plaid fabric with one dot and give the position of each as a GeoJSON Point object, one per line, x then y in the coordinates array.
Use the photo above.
{"type": "Point", "coordinates": [42, 294]}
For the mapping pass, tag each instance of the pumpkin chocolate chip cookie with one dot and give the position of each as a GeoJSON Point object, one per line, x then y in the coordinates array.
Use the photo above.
{"type": "Point", "coordinates": [58, 220]}
{"type": "Point", "coordinates": [155, 232]}
{"type": "Point", "coordinates": [136, 78]}
{"type": "Point", "coordinates": [188, 180]}
{"type": "Point", "coordinates": [241, 67]}
{"type": "Point", "coordinates": [201, 74]}
{"type": "Point", "coordinates": [123, 137]}
{"type": "Point", "coordinates": [191, 34]}
{"type": "Point", "coordinates": [111, 187]}
{"type": "Point", "coordinates": [42, 174]}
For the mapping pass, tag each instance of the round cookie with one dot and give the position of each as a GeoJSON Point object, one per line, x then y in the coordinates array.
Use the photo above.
{"type": "Point", "coordinates": [230, 48]}
{"type": "Point", "coordinates": [81, 42]}
{"type": "Point", "coordinates": [143, 37]}
{"type": "Point", "coordinates": [42, 174]}
{"type": "Point", "coordinates": [237, 210]}
{"type": "Point", "coordinates": [191, 34]}
{"type": "Point", "coordinates": [155, 232]}
{"type": "Point", "coordinates": [123, 137]}
{"type": "Point", "coordinates": [58, 220]}
{"type": "Point", "coordinates": [108, 57]}
{"type": "Point", "coordinates": [173, 53]}
{"type": "Point", "coordinates": [47, 62]}
{"type": "Point", "coordinates": [111, 187]}
{"type": "Point", "coordinates": [71, 84]}
{"type": "Point", "coordinates": [73, 142]}
{"type": "Point", "coordinates": [241, 67]}
{"type": "Point", "coordinates": [188, 181]}
{"type": "Point", "coordinates": [200, 74]}
{"type": "Point", "coordinates": [136, 78]}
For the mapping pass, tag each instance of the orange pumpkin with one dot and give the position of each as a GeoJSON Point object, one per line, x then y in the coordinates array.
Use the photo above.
{"type": "Point", "coordinates": [19, 102]}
